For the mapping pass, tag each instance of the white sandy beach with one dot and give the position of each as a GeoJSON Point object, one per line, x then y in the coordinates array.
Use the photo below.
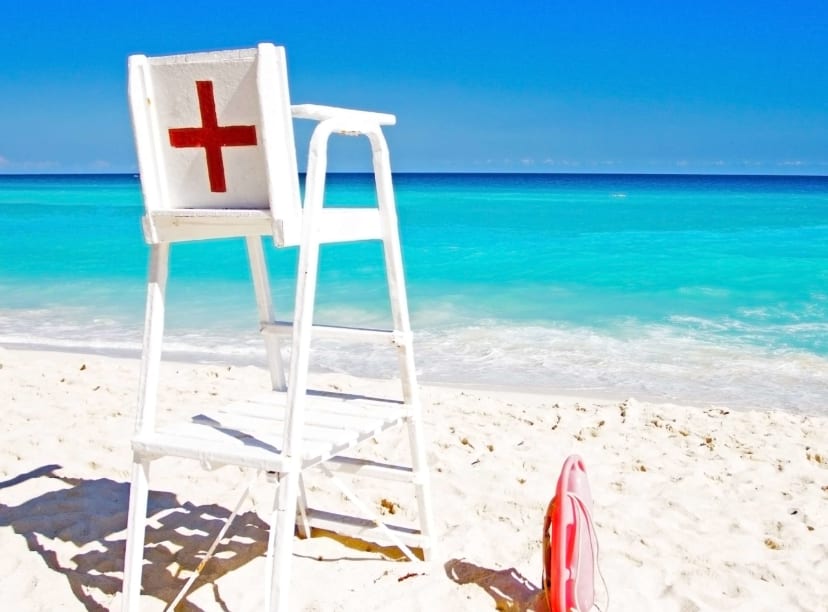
{"type": "Point", "coordinates": [696, 508]}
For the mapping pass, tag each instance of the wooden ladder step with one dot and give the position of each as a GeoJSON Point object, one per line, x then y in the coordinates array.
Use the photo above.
{"type": "Point", "coordinates": [284, 329]}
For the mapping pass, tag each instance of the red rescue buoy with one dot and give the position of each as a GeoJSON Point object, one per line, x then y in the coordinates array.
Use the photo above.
{"type": "Point", "coordinates": [569, 545]}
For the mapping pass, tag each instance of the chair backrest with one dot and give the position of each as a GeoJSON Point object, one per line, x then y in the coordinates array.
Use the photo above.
{"type": "Point", "coordinates": [214, 130]}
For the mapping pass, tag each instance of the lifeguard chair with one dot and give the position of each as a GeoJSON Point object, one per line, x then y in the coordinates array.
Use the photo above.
{"type": "Point", "coordinates": [216, 151]}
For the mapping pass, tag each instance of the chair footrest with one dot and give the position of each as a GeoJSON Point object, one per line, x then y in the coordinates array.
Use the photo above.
{"type": "Point", "coordinates": [349, 334]}
{"type": "Point", "coordinates": [250, 433]}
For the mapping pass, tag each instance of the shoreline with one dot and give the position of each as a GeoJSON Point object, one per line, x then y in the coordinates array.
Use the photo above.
{"type": "Point", "coordinates": [197, 359]}
{"type": "Point", "coordinates": [685, 498]}
{"type": "Point", "coordinates": [256, 359]}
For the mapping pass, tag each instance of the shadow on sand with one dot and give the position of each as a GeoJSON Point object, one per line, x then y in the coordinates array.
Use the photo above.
{"type": "Point", "coordinates": [92, 515]}
{"type": "Point", "coordinates": [510, 590]}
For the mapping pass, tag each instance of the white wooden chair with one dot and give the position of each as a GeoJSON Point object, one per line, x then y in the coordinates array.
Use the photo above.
{"type": "Point", "coordinates": [216, 151]}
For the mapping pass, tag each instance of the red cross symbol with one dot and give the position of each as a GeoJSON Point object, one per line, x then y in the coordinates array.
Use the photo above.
{"type": "Point", "coordinates": [212, 136]}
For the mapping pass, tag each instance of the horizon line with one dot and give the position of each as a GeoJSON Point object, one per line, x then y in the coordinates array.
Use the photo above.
{"type": "Point", "coordinates": [472, 172]}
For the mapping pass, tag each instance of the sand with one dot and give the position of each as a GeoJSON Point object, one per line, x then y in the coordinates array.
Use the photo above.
{"type": "Point", "coordinates": [696, 508]}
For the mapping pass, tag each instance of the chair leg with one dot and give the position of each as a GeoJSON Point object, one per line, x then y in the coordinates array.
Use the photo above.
{"type": "Point", "coordinates": [153, 336]}
{"type": "Point", "coordinates": [283, 524]}
{"type": "Point", "coordinates": [280, 544]}
{"type": "Point", "coordinates": [302, 523]}
{"type": "Point", "coordinates": [264, 303]}
{"type": "Point", "coordinates": [399, 310]}
{"type": "Point", "coordinates": [283, 519]}
{"type": "Point", "coordinates": [422, 484]}
{"type": "Point", "coordinates": [136, 528]}
{"type": "Point", "coordinates": [145, 421]}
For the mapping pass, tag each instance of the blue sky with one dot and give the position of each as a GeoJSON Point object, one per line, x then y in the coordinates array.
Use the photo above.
{"type": "Point", "coordinates": [523, 85]}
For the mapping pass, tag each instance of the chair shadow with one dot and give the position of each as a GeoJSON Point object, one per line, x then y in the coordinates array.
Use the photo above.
{"type": "Point", "coordinates": [510, 590]}
{"type": "Point", "coordinates": [341, 395]}
{"type": "Point", "coordinates": [373, 550]}
{"type": "Point", "coordinates": [92, 515]}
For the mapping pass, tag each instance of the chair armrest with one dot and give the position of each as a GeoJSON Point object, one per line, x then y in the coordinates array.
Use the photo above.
{"type": "Point", "coordinates": [318, 112]}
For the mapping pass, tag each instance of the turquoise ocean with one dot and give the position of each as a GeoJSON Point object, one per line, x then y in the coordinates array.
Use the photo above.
{"type": "Point", "coordinates": [701, 289]}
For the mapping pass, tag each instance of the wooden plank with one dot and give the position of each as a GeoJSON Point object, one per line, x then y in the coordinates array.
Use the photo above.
{"type": "Point", "coordinates": [201, 224]}
{"type": "Point", "coordinates": [250, 432]}
{"type": "Point", "coordinates": [333, 332]}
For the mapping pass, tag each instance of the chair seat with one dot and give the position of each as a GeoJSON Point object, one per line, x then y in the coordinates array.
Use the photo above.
{"type": "Point", "coordinates": [199, 224]}
{"type": "Point", "coordinates": [250, 433]}
{"type": "Point", "coordinates": [334, 224]}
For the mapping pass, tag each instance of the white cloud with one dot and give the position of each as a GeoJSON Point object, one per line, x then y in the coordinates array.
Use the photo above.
{"type": "Point", "coordinates": [39, 165]}
{"type": "Point", "coordinates": [568, 163]}
{"type": "Point", "coordinates": [44, 165]}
